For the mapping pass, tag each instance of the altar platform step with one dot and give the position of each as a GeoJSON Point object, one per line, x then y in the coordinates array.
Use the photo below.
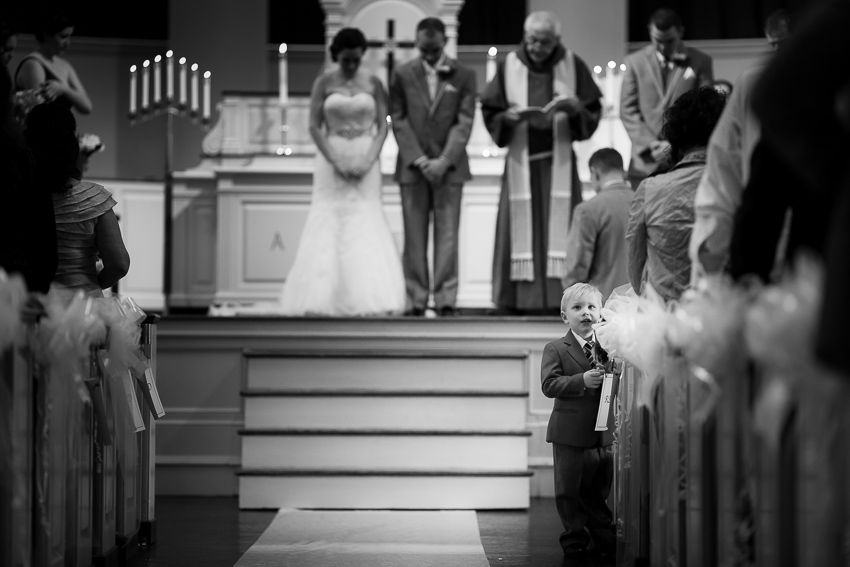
{"type": "Point", "coordinates": [388, 451]}
{"type": "Point", "coordinates": [386, 490]}
{"type": "Point", "coordinates": [378, 429]}
{"type": "Point", "coordinates": [386, 410]}
{"type": "Point", "coordinates": [378, 381]}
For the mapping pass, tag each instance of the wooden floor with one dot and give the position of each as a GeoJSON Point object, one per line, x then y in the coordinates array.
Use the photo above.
{"type": "Point", "coordinates": [213, 532]}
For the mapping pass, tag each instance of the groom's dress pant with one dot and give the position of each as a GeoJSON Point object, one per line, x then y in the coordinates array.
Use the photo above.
{"type": "Point", "coordinates": [418, 200]}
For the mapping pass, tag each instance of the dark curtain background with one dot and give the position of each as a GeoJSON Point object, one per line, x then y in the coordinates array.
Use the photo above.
{"type": "Point", "coordinates": [296, 22]}
{"type": "Point", "coordinates": [491, 22]}
{"type": "Point", "coordinates": [481, 22]}
{"type": "Point", "coordinates": [714, 19]}
{"type": "Point", "coordinates": [95, 18]}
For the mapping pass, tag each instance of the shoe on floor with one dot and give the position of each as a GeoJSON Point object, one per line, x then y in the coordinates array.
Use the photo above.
{"type": "Point", "coordinates": [449, 311]}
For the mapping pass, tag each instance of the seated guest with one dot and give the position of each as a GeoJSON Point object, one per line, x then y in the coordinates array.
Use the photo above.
{"type": "Point", "coordinates": [27, 226]}
{"type": "Point", "coordinates": [728, 165]}
{"type": "Point", "coordinates": [662, 212]}
{"type": "Point", "coordinates": [86, 226]}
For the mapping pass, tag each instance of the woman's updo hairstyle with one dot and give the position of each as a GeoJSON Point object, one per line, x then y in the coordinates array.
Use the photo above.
{"type": "Point", "coordinates": [51, 21]}
{"type": "Point", "coordinates": [347, 38]}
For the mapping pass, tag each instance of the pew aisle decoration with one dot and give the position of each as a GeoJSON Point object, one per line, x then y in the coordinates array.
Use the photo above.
{"type": "Point", "coordinates": [743, 354]}
{"type": "Point", "coordinates": [13, 295]}
{"type": "Point", "coordinates": [68, 330]}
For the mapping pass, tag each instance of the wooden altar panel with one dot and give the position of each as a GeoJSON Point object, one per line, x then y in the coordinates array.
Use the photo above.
{"type": "Point", "coordinates": [271, 235]}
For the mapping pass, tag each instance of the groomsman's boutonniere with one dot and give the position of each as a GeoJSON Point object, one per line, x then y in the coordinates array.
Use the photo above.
{"type": "Point", "coordinates": [444, 71]}
{"type": "Point", "coordinates": [680, 59]}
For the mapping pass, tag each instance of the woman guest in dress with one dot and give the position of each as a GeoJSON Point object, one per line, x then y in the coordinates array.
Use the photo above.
{"type": "Point", "coordinates": [44, 72]}
{"type": "Point", "coordinates": [347, 262]}
{"type": "Point", "coordinates": [86, 226]}
{"type": "Point", "coordinates": [661, 217]}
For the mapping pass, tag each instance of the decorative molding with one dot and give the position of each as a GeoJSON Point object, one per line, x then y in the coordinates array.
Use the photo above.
{"type": "Point", "coordinates": [198, 460]}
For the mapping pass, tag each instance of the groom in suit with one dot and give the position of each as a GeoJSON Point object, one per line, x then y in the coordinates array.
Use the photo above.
{"type": "Point", "coordinates": [654, 78]}
{"type": "Point", "coordinates": [432, 104]}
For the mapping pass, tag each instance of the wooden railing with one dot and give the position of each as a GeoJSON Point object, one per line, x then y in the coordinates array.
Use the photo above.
{"type": "Point", "coordinates": [77, 470]}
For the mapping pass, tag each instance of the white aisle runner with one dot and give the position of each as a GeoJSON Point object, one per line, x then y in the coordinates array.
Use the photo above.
{"type": "Point", "coordinates": [368, 538]}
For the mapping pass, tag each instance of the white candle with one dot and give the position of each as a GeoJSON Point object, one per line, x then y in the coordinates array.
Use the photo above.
{"type": "Point", "coordinates": [491, 64]}
{"type": "Point", "coordinates": [283, 84]}
{"type": "Point", "coordinates": [145, 83]}
{"type": "Point", "coordinates": [207, 81]}
{"type": "Point", "coordinates": [183, 94]}
{"type": "Point", "coordinates": [133, 90]}
{"type": "Point", "coordinates": [609, 83]}
{"type": "Point", "coordinates": [169, 76]}
{"type": "Point", "coordinates": [157, 80]}
{"type": "Point", "coordinates": [195, 87]}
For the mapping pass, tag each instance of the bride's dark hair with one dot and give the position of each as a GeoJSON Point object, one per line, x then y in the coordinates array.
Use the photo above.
{"type": "Point", "coordinates": [347, 38]}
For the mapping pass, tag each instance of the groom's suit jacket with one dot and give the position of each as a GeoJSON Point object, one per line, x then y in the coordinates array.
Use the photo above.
{"type": "Point", "coordinates": [643, 98]}
{"type": "Point", "coordinates": [573, 419]}
{"type": "Point", "coordinates": [432, 127]}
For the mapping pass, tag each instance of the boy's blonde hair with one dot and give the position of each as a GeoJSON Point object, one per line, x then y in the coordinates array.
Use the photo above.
{"type": "Point", "coordinates": [576, 290]}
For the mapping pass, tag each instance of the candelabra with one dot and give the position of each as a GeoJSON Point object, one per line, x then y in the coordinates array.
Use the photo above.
{"type": "Point", "coordinates": [283, 99]}
{"type": "Point", "coordinates": [185, 105]}
{"type": "Point", "coordinates": [610, 84]}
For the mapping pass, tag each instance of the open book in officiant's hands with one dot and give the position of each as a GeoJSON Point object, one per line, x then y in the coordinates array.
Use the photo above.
{"type": "Point", "coordinates": [568, 104]}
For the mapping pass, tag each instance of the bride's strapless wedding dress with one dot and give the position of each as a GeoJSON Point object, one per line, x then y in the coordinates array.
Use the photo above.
{"type": "Point", "coordinates": [347, 262]}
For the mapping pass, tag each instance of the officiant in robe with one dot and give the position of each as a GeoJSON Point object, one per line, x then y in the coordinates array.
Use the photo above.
{"type": "Point", "coordinates": [540, 185]}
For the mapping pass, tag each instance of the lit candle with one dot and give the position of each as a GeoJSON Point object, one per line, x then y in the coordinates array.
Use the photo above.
{"type": "Point", "coordinates": [157, 80]}
{"type": "Point", "coordinates": [145, 84]}
{"type": "Point", "coordinates": [195, 88]}
{"type": "Point", "coordinates": [183, 94]}
{"type": "Point", "coordinates": [282, 75]}
{"type": "Point", "coordinates": [491, 64]}
{"type": "Point", "coordinates": [207, 81]}
{"type": "Point", "coordinates": [133, 90]}
{"type": "Point", "coordinates": [169, 76]}
{"type": "Point", "coordinates": [609, 83]}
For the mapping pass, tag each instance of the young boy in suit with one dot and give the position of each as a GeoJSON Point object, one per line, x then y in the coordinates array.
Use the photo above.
{"type": "Point", "coordinates": [572, 373]}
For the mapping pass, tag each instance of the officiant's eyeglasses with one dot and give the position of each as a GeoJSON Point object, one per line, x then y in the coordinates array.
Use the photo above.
{"type": "Point", "coordinates": [544, 42]}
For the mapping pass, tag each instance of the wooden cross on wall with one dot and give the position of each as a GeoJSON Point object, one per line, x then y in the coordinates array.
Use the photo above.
{"type": "Point", "coordinates": [390, 45]}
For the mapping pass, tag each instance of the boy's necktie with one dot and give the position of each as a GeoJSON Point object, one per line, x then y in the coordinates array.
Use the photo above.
{"type": "Point", "coordinates": [588, 351]}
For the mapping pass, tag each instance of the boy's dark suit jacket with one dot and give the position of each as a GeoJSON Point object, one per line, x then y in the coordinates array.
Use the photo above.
{"type": "Point", "coordinates": [573, 419]}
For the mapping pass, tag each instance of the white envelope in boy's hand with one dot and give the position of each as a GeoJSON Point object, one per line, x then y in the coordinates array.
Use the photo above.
{"type": "Point", "coordinates": [689, 73]}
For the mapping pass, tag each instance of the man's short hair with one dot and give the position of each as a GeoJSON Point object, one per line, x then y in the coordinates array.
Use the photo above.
{"type": "Point", "coordinates": [431, 26]}
{"type": "Point", "coordinates": [577, 290]}
{"type": "Point", "coordinates": [664, 18]}
{"type": "Point", "coordinates": [778, 23]}
{"type": "Point", "coordinates": [542, 19]}
{"type": "Point", "coordinates": [606, 160]}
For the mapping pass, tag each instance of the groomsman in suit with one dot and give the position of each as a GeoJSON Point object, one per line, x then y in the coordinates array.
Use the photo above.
{"type": "Point", "coordinates": [432, 104]}
{"type": "Point", "coordinates": [654, 78]}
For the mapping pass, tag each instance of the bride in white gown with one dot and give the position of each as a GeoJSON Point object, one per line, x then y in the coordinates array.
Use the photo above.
{"type": "Point", "coordinates": [347, 262]}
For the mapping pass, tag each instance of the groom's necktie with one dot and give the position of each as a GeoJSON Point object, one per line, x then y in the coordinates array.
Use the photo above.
{"type": "Point", "coordinates": [431, 78]}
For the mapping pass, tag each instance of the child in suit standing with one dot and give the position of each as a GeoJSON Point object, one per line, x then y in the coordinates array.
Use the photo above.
{"type": "Point", "coordinates": [583, 460]}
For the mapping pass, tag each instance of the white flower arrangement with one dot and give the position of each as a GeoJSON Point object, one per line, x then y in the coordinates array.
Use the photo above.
{"type": "Point", "coordinates": [90, 143]}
